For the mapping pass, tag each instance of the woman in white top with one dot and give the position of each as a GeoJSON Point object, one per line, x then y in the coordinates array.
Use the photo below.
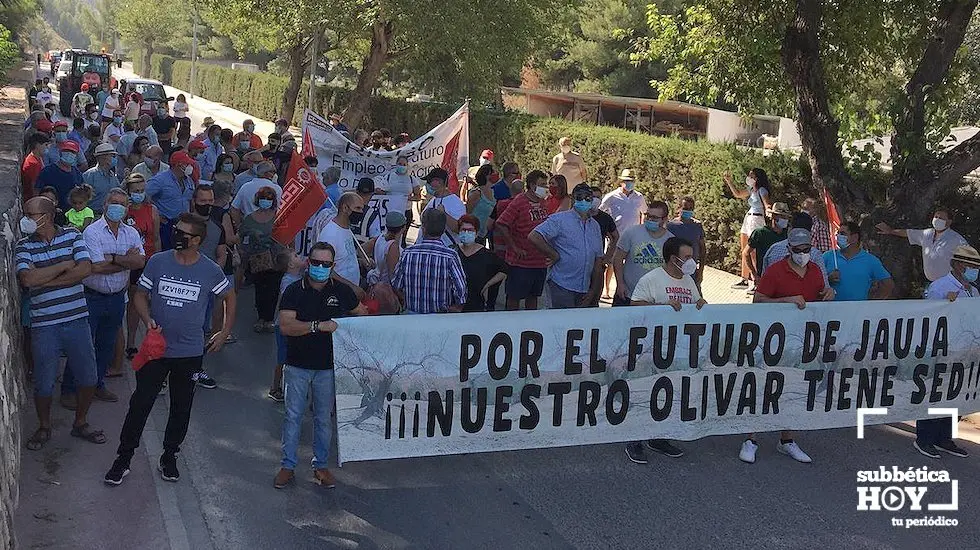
{"type": "Point", "coordinates": [757, 194]}
{"type": "Point", "coordinates": [387, 251]}
{"type": "Point", "coordinates": [180, 108]}
{"type": "Point", "coordinates": [111, 104]}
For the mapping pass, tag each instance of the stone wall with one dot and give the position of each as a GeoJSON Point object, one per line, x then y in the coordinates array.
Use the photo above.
{"type": "Point", "coordinates": [12, 113]}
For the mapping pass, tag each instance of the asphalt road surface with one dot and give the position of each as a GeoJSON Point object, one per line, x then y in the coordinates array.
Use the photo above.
{"type": "Point", "coordinates": [579, 497]}
{"type": "Point", "coordinates": [576, 497]}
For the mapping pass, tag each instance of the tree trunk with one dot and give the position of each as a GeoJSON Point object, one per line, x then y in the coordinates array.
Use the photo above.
{"type": "Point", "coordinates": [816, 123]}
{"type": "Point", "coordinates": [381, 35]}
{"type": "Point", "coordinates": [147, 54]}
{"type": "Point", "coordinates": [296, 72]}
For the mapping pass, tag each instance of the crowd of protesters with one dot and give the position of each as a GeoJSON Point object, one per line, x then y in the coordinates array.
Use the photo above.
{"type": "Point", "coordinates": [132, 224]}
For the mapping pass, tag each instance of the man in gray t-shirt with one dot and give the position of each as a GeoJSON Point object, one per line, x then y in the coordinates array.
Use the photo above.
{"type": "Point", "coordinates": [172, 297]}
{"type": "Point", "coordinates": [640, 250]}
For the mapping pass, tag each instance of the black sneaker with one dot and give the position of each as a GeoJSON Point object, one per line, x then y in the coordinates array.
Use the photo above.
{"type": "Point", "coordinates": [635, 453]}
{"type": "Point", "coordinates": [277, 395]}
{"type": "Point", "coordinates": [951, 448]}
{"type": "Point", "coordinates": [741, 285]}
{"type": "Point", "coordinates": [168, 467]}
{"type": "Point", "coordinates": [119, 470]}
{"type": "Point", "coordinates": [926, 449]}
{"type": "Point", "coordinates": [664, 447]}
{"type": "Point", "coordinates": [204, 380]}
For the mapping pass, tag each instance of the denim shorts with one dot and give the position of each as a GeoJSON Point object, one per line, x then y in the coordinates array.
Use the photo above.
{"type": "Point", "coordinates": [74, 339]}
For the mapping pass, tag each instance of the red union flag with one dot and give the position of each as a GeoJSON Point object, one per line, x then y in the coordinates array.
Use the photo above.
{"type": "Point", "coordinates": [833, 219]}
{"type": "Point", "coordinates": [302, 196]}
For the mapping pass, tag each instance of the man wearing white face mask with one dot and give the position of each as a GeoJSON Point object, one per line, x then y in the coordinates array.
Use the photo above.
{"type": "Point", "coordinates": [670, 284]}
{"type": "Point", "coordinates": [569, 164]}
{"type": "Point", "coordinates": [934, 436]}
{"type": "Point", "coordinates": [171, 192]}
{"type": "Point", "coordinates": [625, 206]}
{"type": "Point", "coordinates": [792, 280]}
{"type": "Point", "coordinates": [938, 243]}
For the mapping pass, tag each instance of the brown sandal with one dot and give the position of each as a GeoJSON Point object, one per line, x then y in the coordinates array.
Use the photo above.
{"type": "Point", "coordinates": [39, 439]}
{"type": "Point", "coordinates": [92, 436]}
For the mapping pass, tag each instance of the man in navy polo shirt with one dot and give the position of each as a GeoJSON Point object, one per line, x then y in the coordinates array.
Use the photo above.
{"type": "Point", "coordinates": [307, 311]}
{"type": "Point", "coordinates": [853, 272]}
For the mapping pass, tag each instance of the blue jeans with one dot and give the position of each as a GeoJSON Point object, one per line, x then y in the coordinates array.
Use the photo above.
{"type": "Point", "coordinates": [297, 383]}
{"type": "Point", "coordinates": [105, 316]}
{"type": "Point", "coordinates": [74, 339]}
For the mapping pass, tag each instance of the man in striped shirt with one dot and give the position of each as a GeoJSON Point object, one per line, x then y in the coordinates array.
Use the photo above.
{"type": "Point", "coordinates": [51, 263]}
{"type": "Point", "coordinates": [429, 276]}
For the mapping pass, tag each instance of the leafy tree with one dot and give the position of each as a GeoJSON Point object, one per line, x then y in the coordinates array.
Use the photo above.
{"type": "Point", "coordinates": [591, 47]}
{"type": "Point", "coordinates": [286, 26]}
{"type": "Point", "coordinates": [454, 49]}
{"type": "Point", "coordinates": [149, 24]}
{"type": "Point", "coordinates": [842, 69]}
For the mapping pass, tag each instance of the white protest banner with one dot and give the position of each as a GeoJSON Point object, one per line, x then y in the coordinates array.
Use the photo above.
{"type": "Point", "coordinates": [460, 383]}
{"type": "Point", "coordinates": [446, 146]}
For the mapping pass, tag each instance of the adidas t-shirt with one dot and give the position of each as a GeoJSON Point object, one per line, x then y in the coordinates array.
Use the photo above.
{"type": "Point", "coordinates": [643, 254]}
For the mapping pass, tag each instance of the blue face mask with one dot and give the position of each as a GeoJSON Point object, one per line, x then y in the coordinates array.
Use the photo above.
{"type": "Point", "coordinates": [687, 214]}
{"type": "Point", "coordinates": [319, 273]}
{"type": "Point", "coordinates": [651, 225]}
{"type": "Point", "coordinates": [115, 212]}
{"type": "Point", "coordinates": [60, 136]}
{"type": "Point", "coordinates": [429, 190]}
{"type": "Point", "coordinates": [971, 274]}
{"type": "Point", "coordinates": [266, 204]}
{"type": "Point", "coordinates": [583, 206]}
{"type": "Point", "coordinates": [68, 158]}
{"type": "Point", "coordinates": [401, 170]}
{"type": "Point", "coordinates": [137, 197]}
{"type": "Point", "coordinates": [841, 242]}
{"type": "Point", "coordinates": [117, 119]}
{"type": "Point", "coordinates": [467, 237]}
{"type": "Point", "coordinates": [227, 167]}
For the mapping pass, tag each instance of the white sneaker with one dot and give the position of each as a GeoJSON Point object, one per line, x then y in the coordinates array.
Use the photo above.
{"type": "Point", "coordinates": [794, 450]}
{"type": "Point", "coordinates": [747, 454]}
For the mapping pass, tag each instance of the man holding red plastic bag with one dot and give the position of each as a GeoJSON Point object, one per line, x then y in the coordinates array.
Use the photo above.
{"type": "Point", "coordinates": [172, 297]}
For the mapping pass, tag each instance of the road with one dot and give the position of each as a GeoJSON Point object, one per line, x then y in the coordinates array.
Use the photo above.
{"type": "Point", "coordinates": [577, 497]}
{"type": "Point", "coordinates": [581, 497]}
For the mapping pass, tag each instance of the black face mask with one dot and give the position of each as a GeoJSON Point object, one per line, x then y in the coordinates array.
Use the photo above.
{"type": "Point", "coordinates": [203, 210]}
{"type": "Point", "coordinates": [181, 240]}
{"type": "Point", "coordinates": [356, 217]}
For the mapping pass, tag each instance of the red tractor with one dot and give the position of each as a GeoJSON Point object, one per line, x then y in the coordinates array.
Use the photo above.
{"type": "Point", "coordinates": [89, 68]}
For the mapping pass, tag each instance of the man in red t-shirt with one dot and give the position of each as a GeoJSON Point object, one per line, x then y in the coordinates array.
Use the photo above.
{"type": "Point", "coordinates": [31, 168]}
{"type": "Point", "coordinates": [528, 265]}
{"type": "Point", "coordinates": [792, 280]}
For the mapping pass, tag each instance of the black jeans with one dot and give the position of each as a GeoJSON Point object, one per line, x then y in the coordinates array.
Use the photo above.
{"type": "Point", "coordinates": [266, 293]}
{"type": "Point", "coordinates": [149, 381]}
{"type": "Point", "coordinates": [933, 431]}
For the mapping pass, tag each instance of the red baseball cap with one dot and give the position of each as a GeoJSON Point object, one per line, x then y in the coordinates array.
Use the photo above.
{"type": "Point", "coordinates": [68, 145]}
{"type": "Point", "coordinates": [61, 124]}
{"type": "Point", "coordinates": [180, 158]}
{"type": "Point", "coordinates": [487, 154]}
{"type": "Point", "coordinates": [197, 144]}
{"type": "Point", "coordinates": [44, 125]}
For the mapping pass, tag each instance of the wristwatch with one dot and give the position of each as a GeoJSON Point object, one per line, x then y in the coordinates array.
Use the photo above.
{"type": "Point", "coordinates": [314, 327]}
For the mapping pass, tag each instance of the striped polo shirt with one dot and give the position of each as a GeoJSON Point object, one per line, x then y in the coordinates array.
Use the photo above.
{"type": "Point", "coordinates": [57, 304]}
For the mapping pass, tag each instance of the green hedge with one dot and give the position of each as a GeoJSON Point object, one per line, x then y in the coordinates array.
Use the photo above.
{"type": "Point", "coordinates": [667, 168]}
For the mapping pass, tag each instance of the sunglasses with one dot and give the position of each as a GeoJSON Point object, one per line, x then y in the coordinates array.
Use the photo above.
{"type": "Point", "coordinates": [321, 263]}
{"type": "Point", "coordinates": [802, 250]}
